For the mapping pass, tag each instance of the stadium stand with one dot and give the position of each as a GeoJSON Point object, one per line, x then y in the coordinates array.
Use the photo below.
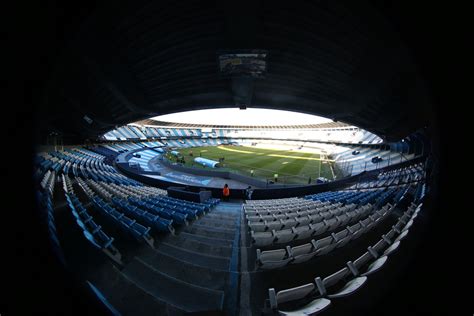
{"type": "Point", "coordinates": [313, 298]}
{"type": "Point", "coordinates": [336, 218]}
{"type": "Point", "coordinates": [283, 232]}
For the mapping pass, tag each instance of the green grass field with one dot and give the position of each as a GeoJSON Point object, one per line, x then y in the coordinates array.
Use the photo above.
{"type": "Point", "coordinates": [291, 166]}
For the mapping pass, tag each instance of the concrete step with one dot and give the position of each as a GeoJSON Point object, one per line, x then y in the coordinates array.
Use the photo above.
{"type": "Point", "coordinates": [209, 232]}
{"type": "Point", "coordinates": [207, 240]}
{"type": "Point", "coordinates": [188, 297]}
{"type": "Point", "coordinates": [200, 247]}
{"type": "Point", "coordinates": [224, 215]}
{"type": "Point", "coordinates": [215, 223]}
{"type": "Point", "coordinates": [129, 298]}
{"type": "Point", "coordinates": [185, 271]}
{"type": "Point", "coordinates": [203, 260]}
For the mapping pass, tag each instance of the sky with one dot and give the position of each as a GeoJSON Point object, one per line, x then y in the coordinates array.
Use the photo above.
{"type": "Point", "coordinates": [235, 116]}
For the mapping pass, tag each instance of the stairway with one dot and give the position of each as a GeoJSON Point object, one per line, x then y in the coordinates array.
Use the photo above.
{"type": "Point", "coordinates": [194, 271]}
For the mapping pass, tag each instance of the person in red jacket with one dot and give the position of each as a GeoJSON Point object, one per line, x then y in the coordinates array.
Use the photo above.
{"type": "Point", "coordinates": [226, 192]}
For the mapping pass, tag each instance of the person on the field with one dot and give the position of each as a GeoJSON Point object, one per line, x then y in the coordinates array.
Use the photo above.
{"type": "Point", "coordinates": [248, 193]}
{"type": "Point", "coordinates": [226, 192]}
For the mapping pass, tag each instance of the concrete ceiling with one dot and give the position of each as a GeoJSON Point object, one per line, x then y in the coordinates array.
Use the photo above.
{"type": "Point", "coordinates": [130, 60]}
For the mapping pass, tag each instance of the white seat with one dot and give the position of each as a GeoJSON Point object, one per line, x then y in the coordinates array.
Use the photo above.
{"type": "Point", "coordinates": [304, 220]}
{"type": "Point", "coordinates": [303, 253]}
{"type": "Point", "coordinates": [315, 307]}
{"type": "Point", "coordinates": [402, 235]}
{"type": "Point", "coordinates": [326, 215]}
{"type": "Point", "coordinates": [294, 294]}
{"type": "Point", "coordinates": [408, 225]}
{"type": "Point", "coordinates": [335, 278]}
{"type": "Point", "coordinates": [290, 222]}
{"type": "Point", "coordinates": [331, 223]}
{"type": "Point", "coordinates": [316, 218]}
{"type": "Point", "coordinates": [341, 242]}
{"type": "Point", "coordinates": [275, 225]}
{"type": "Point", "coordinates": [318, 228]}
{"type": "Point", "coordinates": [262, 238]}
{"type": "Point", "coordinates": [303, 232]}
{"type": "Point", "coordinates": [344, 219]}
{"type": "Point", "coordinates": [380, 246]}
{"type": "Point", "coordinates": [392, 248]}
{"type": "Point", "coordinates": [257, 226]}
{"type": "Point", "coordinates": [273, 259]}
{"type": "Point", "coordinates": [284, 236]}
{"type": "Point", "coordinates": [375, 266]}
{"type": "Point", "coordinates": [350, 287]}
{"type": "Point", "coordinates": [328, 248]}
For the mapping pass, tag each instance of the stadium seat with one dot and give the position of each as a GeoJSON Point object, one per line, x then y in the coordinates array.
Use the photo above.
{"type": "Point", "coordinates": [273, 259]}
{"type": "Point", "coordinates": [297, 293]}
{"type": "Point", "coordinates": [303, 252]}
{"type": "Point", "coordinates": [348, 288]}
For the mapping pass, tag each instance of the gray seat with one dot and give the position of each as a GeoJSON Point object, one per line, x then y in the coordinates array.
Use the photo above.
{"type": "Point", "coordinates": [360, 262]}
{"type": "Point", "coordinates": [303, 232]}
{"type": "Point", "coordinates": [262, 238]}
{"type": "Point", "coordinates": [402, 235]}
{"type": "Point", "coordinates": [344, 219]}
{"type": "Point", "coordinates": [318, 228]}
{"type": "Point", "coordinates": [343, 237]}
{"type": "Point", "coordinates": [350, 287]}
{"type": "Point", "coordinates": [303, 213]}
{"type": "Point", "coordinates": [327, 248]}
{"type": "Point", "coordinates": [405, 218]}
{"type": "Point", "coordinates": [352, 216]}
{"type": "Point", "coordinates": [303, 253]}
{"type": "Point", "coordinates": [316, 218]}
{"type": "Point", "coordinates": [367, 223]}
{"type": "Point", "coordinates": [284, 236]}
{"type": "Point", "coordinates": [274, 225]}
{"type": "Point", "coordinates": [268, 218]}
{"type": "Point", "coordinates": [303, 220]}
{"type": "Point", "coordinates": [254, 218]}
{"type": "Point", "coordinates": [375, 217]}
{"type": "Point", "coordinates": [290, 222]}
{"type": "Point", "coordinates": [294, 294]}
{"type": "Point", "coordinates": [327, 215]}
{"type": "Point", "coordinates": [341, 234]}
{"type": "Point", "coordinates": [280, 216]}
{"type": "Point", "coordinates": [381, 245]}
{"type": "Point", "coordinates": [324, 245]}
{"type": "Point", "coordinates": [331, 223]}
{"type": "Point", "coordinates": [391, 234]}
{"type": "Point", "coordinates": [408, 225]}
{"type": "Point", "coordinates": [392, 248]}
{"type": "Point", "coordinates": [323, 242]}
{"type": "Point", "coordinates": [258, 226]}
{"type": "Point", "coordinates": [273, 259]}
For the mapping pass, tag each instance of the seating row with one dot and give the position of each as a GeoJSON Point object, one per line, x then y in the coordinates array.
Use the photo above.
{"type": "Point", "coordinates": [313, 298]}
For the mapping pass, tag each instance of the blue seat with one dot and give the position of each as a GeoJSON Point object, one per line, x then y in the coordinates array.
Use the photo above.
{"type": "Point", "coordinates": [94, 228]}
{"type": "Point", "coordinates": [91, 239]}
{"type": "Point", "coordinates": [140, 230]}
{"type": "Point", "coordinates": [104, 240]}
{"type": "Point", "coordinates": [128, 222]}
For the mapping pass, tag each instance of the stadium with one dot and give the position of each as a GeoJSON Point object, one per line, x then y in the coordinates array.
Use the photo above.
{"type": "Point", "coordinates": [333, 216]}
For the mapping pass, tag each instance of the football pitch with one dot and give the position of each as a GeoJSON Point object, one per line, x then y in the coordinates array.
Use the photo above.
{"type": "Point", "coordinates": [292, 166]}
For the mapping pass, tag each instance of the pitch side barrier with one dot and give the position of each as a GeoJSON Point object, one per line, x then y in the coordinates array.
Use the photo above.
{"type": "Point", "coordinates": [267, 193]}
{"type": "Point", "coordinates": [274, 192]}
